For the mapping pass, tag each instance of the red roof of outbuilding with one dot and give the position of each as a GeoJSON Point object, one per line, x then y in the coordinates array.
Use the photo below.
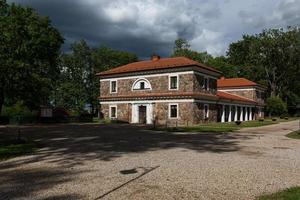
{"type": "Point", "coordinates": [235, 82]}
{"type": "Point", "coordinates": [163, 63]}
{"type": "Point", "coordinates": [232, 97]}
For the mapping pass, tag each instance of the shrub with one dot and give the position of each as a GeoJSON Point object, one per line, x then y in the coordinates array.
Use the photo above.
{"type": "Point", "coordinates": [4, 120]}
{"type": "Point", "coordinates": [261, 119]}
{"type": "Point", "coordinates": [238, 122]}
{"type": "Point", "coordinates": [85, 117]}
{"type": "Point", "coordinates": [275, 106]}
{"type": "Point", "coordinates": [274, 119]}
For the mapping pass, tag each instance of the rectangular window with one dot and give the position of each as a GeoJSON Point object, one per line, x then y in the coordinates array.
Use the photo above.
{"type": "Point", "coordinates": [206, 111]}
{"type": "Point", "coordinates": [205, 85]}
{"type": "Point", "coordinates": [113, 112]}
{"type": "Point", "coordinates": [113, 86]}
{"type": "Point", "coordinates": [173, 110]}
{"type": "Point", "coordinates": [173, 82]}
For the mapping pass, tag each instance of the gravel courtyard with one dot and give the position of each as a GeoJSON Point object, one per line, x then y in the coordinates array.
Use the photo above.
{"type": "Point", "coordinates": [123, 162]}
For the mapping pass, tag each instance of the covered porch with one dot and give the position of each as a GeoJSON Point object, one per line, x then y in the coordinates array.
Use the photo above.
{"type": "Point", "coordinates": [234, 112]}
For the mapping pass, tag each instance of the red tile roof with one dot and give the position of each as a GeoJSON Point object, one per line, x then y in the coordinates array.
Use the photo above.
{"type": "Point", "coordinates": [235, 82]}
{"type": "Point", "coordinates": [163, 63]}
{"type": "Point", "coordinates": [232, 97]}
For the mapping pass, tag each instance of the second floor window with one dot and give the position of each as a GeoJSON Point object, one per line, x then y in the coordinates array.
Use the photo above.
{"type": "Point", "coordinates": [173, 82]}
{"type": "Point", "coordinates": [113, 86]}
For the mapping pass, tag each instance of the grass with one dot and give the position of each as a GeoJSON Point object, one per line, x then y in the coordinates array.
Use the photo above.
{"type": "Point", "coordinates": [288, 194]}
{"type": "Point", "coordinates": [220, 127]}
{"type": "Point", "coordinates": [13, 148]}
{"type": "Point", "coordinates": [294, 135]}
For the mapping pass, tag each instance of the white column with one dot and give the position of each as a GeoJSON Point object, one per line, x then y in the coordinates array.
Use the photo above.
{"type": "Point", "coordinates": [135, 113]}
{"type": "Point", "coordinates": [250, 115]}
{"type": "Point", "coordinates": [235, 114]}
{"type": "Point", "coordinates": [246, 114]}
{"type": "Point", "coordinates": [241, 115]}
{"type": "Point", "coordinates": [149, 112]}
{"type": "Point", "coordinates": [223, 114]}
{"type": "Point", "coordinates": [229, 116]}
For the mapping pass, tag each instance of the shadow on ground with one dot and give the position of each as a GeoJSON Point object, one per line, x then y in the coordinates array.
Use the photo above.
{"type": "Point", "coordinates": [68, 146]}
{"type": "Point", "coordinates": [21, 183]}
{"type": "Point", "coordinates": [73, 144]}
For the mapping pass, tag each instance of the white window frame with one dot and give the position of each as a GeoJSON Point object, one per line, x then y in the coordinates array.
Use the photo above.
{"type": "Point", "coordinates": [169, 110]}
{"type": "Point", "coordinates": [206, 78]}
{"type": "Point", "coordinates": [146, 81]}
{"type": "Point", "coordinates": [207, 111]}
{"type": "Point", "coordinates": [113, 106]}
{"type": "Point", "coordinates": [110, 86]}
{"type": "Point", "coordinates": [176, 83]}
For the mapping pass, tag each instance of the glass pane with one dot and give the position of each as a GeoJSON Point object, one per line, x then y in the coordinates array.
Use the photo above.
{"type": "Point", "coordinates": [113, 112]}
{"type": "Point", "coordinates": [174, 82]}
{"type": "Point", "coordinates": [113, 86]}
{"type": "Point", "coordinates": [173, 110]}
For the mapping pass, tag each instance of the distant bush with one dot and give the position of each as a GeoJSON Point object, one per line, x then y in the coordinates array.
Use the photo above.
{"type": "Point", "coordinates": [275, 106]}
{"type": "Point", "coordinates": [238, 122]}
{"type": "Point", "coordinates": [261, 119]}
{"type": "Point", "coordinates": [18, 114]}
{"type": "Point", "coordinates": [274, 119]}
{"type": "Point", "coordinates": [85, 117]}
{"type": "Point", "coordinates": [18, 109]}
{"type": "Point", "coordinates": [284, 115]}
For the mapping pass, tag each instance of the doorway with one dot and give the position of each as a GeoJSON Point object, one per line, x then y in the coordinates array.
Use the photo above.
{"type": "Point", "coordinates": [142, 115]}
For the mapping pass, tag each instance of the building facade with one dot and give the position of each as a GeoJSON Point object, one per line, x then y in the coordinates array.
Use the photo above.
{"type": "Point", "coordinates": [174, 91]}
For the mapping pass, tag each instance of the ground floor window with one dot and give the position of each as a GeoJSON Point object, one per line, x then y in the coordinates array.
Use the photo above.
{"type": "Point", "coordinates": [173, 110]}
{"type": "Point", "coordinates": [206, 111]}
{"type": "Point", "coordinates": [113, 112]}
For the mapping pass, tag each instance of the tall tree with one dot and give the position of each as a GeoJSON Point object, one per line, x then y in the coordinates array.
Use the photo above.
{"type": "Point", "coordinates": [78, 85]}
{"type": "Point", "coordinates": [29, 47]}
{"type": "Point", "coordinates": [273, 53]}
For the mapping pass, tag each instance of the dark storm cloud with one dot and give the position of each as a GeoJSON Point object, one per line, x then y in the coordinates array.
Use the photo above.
{"type": "Point", "coordinates": [151, 26]}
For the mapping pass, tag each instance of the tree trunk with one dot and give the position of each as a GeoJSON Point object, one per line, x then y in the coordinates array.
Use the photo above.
{"type": "Point", "coordinates": [1, 99]}
{"type": "Point", "coordinates": [273, 89]}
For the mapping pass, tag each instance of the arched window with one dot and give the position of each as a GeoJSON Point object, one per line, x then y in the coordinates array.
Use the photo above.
{"type": "Point", "coordinates": [141, 84]}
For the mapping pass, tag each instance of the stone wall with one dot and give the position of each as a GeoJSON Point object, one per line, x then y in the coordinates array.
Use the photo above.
{"type": "Point", "coordinates": [160, 84]}
{"type": "Point", "coordinates": [198, 112]}
{"type": "Point", "coordinates": [123, 111]}
{"type": "Point", "coordinates": [189, 113]}
{"type": "Point", "coordinates": [185, 114]}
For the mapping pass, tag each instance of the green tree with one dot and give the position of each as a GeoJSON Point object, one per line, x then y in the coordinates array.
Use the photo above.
{"type": "Point", "coordinates": [29, 47]}
{"type": "Point", "coordinates": [275, 106]}
{"type": "Point", "coordinates": [272, 55]}
{"type": "Point", "coordinates": [77, 84]}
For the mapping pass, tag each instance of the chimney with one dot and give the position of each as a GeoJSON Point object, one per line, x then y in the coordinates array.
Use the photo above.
{"type": "Point", "coordinates": [155, 57]}
{"type": "Point", "coordinates": [222, 78]}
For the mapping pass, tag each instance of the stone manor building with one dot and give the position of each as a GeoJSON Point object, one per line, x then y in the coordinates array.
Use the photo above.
{"type": "Point", "coordinates": [177, 91]}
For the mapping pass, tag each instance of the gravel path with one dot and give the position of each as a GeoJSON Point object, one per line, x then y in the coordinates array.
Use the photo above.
{"type": "Point", "coordinates": [122, 162]}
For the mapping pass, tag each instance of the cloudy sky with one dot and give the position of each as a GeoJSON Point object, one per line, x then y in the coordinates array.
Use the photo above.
{"type": "Point", "coordinates": [145, 27]}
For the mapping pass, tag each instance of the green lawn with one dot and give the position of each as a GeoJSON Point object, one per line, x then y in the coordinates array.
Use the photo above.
{"type": "Point", "coordinates": [222, 127]}
{"type": "Point", "coordinates": [288, 194]}
{"type": "Point", "coordinates": [294, 135]}
{"type": "Point", "coordinates": [12, 148]}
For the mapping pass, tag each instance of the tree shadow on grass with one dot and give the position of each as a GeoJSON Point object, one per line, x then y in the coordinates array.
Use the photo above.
{"type": "Point", "coordinates": [74, 144]}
